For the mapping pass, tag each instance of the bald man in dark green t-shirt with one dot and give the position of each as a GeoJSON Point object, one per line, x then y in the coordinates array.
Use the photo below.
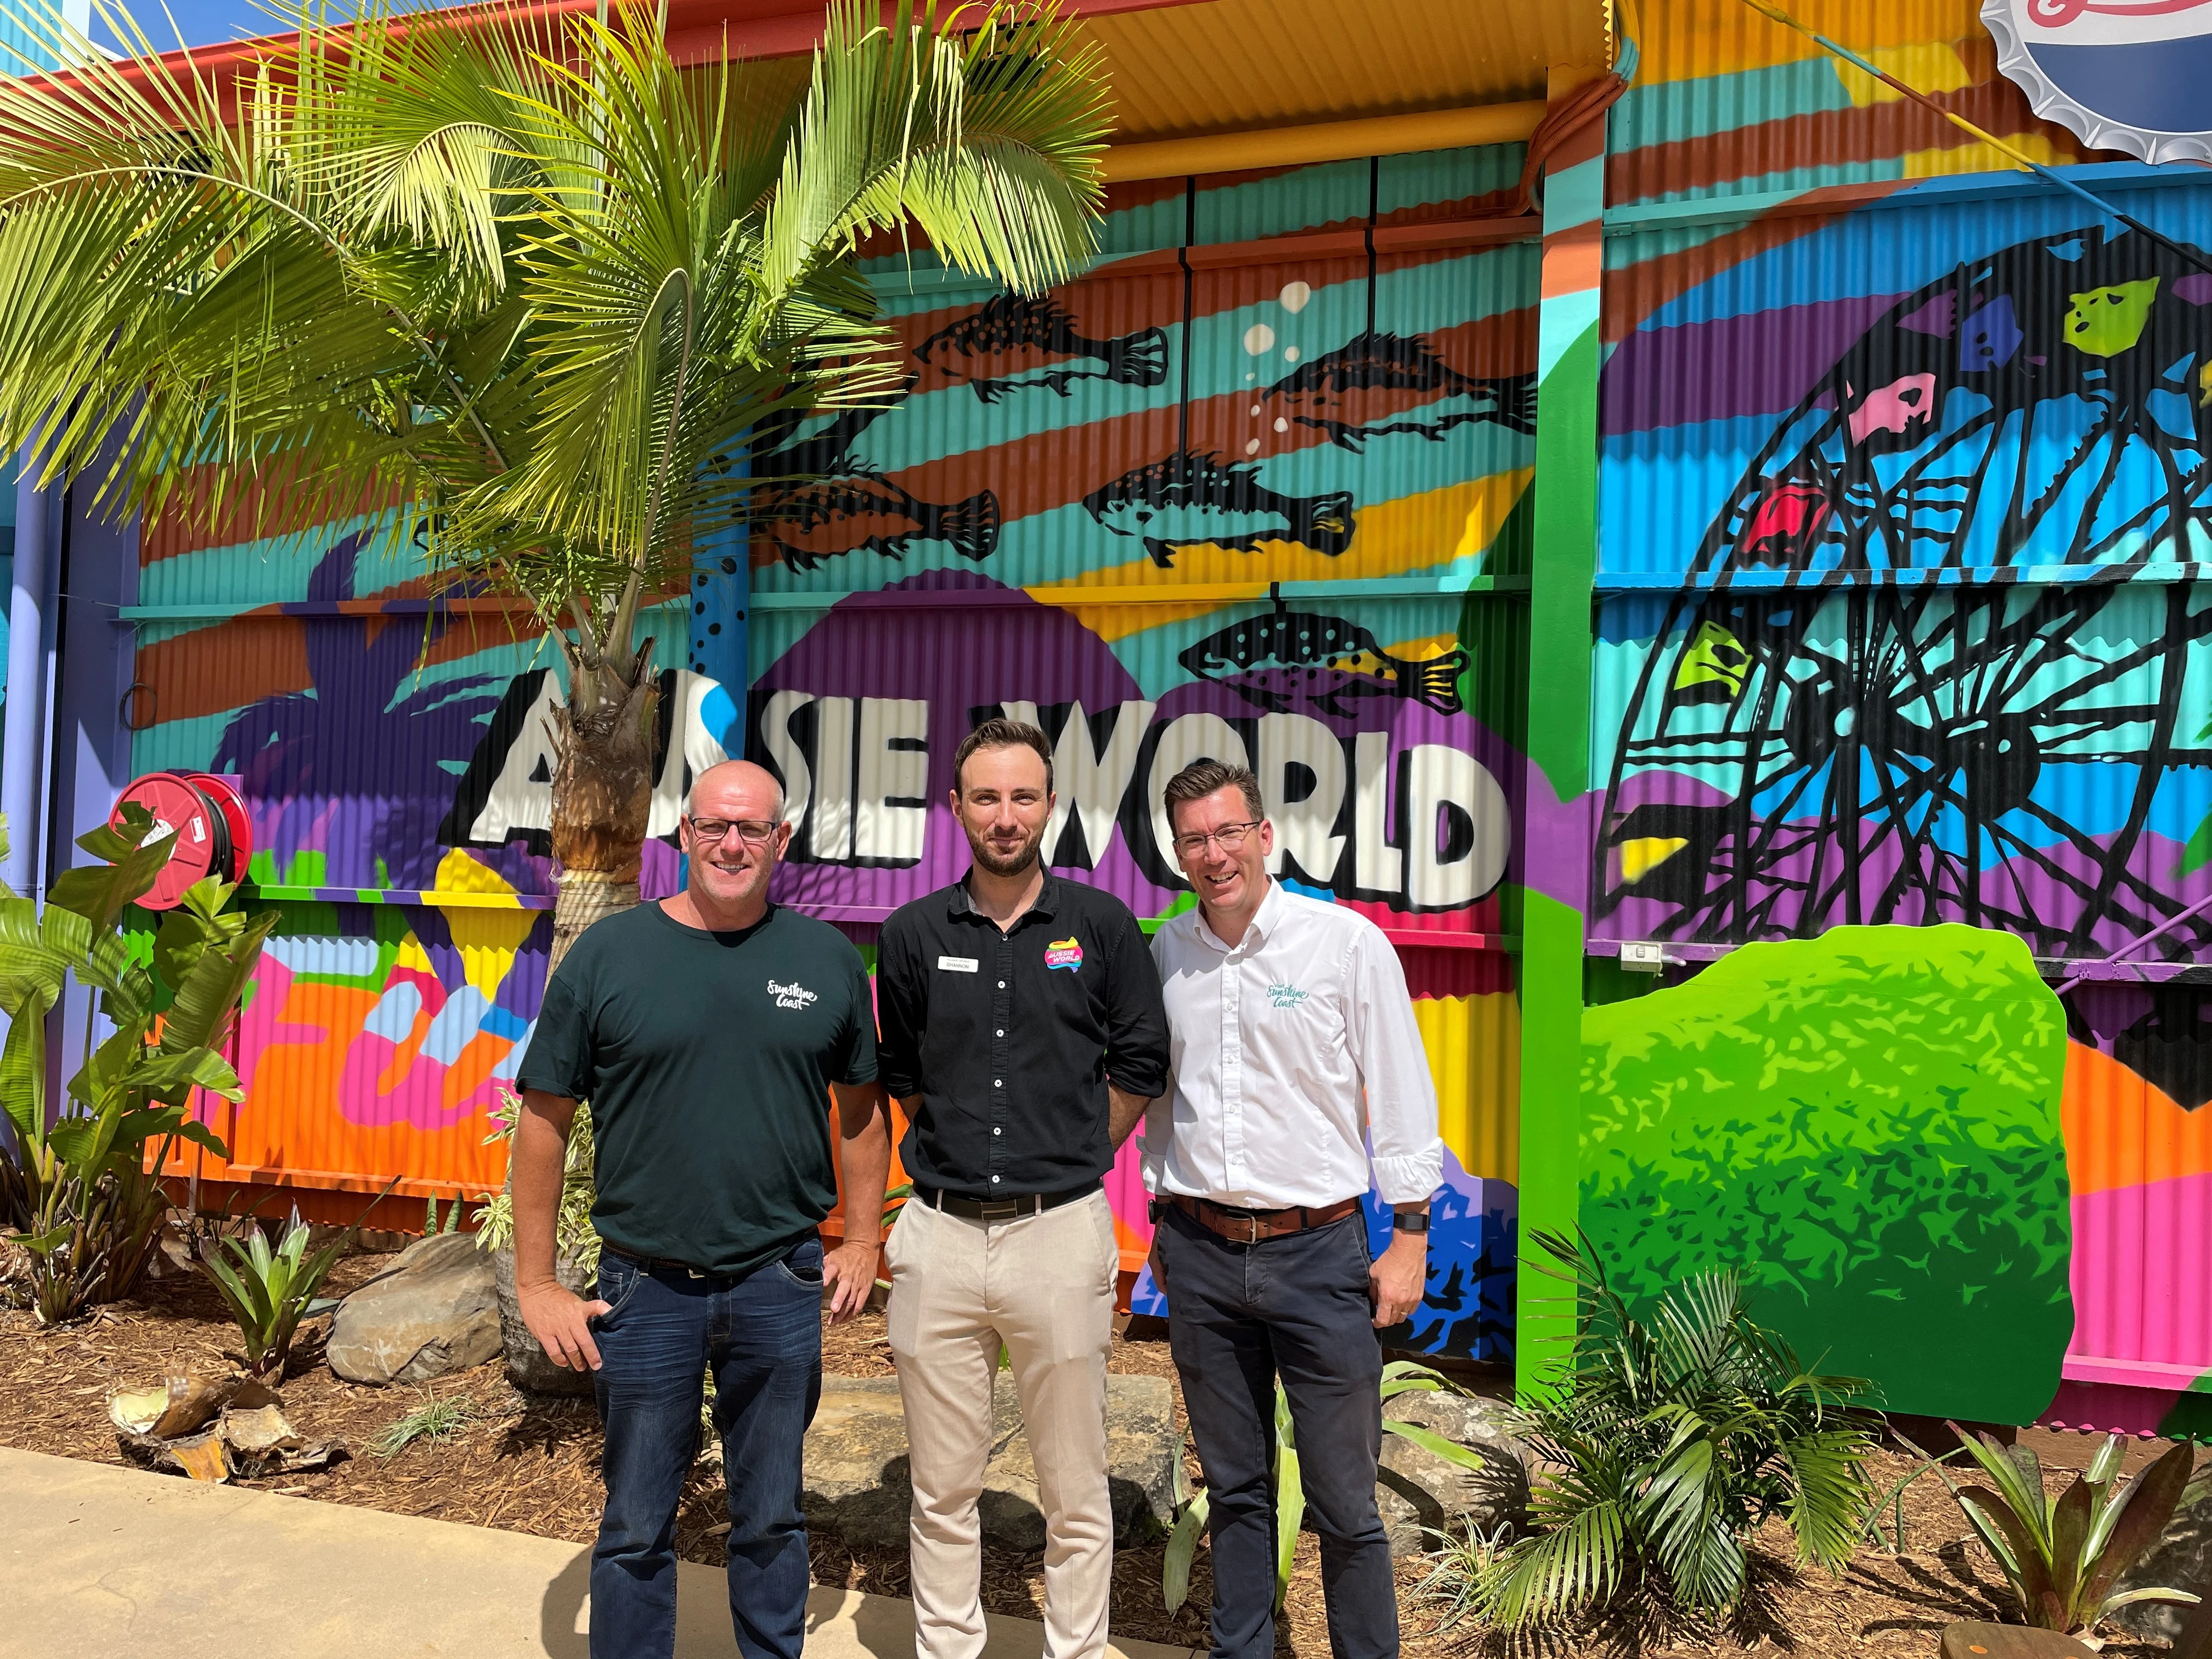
{"type": "Point", "coordinates": [709, 1031]}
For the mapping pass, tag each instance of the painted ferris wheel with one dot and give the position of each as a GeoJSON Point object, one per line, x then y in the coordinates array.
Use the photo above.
{"type": "Point", "coordinates": [1943, 655]}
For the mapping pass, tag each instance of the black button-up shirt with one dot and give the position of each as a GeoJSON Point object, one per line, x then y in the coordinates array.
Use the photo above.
{"type": "Point", "coordinates": [1009, 1039]}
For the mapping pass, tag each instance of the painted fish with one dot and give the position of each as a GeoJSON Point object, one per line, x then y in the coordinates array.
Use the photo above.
{"type": "Point", "coordinates": [1290, 657]}
{"type": "Point", "coordinates": [1191, 501]}
{"type": "Point", "coordinates": [1025, 344]}
{"type": "Point", "coordinates": [865, 512]}
{"type": "Point", "coordinates": [1375, 385]}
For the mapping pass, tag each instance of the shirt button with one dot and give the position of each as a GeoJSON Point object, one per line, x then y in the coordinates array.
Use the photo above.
{"type": "Point", "coordinates": [998, 1083]}
{"type": "Point", "coordinates": [994, 1181]}
{"type": "Point", "coordinates": [1000, 1033]}
{"type": "Point", "coordinates": [996, 1131]}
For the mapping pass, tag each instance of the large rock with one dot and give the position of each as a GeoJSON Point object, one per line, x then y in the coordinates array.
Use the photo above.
{"type": "Point", "coordinates": [1419, 1493]}
{"type": "Point", "coordinates": [528, 1366]}
{"type": "Point", "coordinates": [435, 1310]}
{"type": "Point", "coordinates": [2181, 1559]}
{"type": "Point", "coordinates": [857, 1485]}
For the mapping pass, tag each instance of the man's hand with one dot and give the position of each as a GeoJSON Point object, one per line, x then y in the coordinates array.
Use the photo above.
{"type": "Point", "coordinates": [556, 1316]}
{"type": "Point", "coordinates": [850, 1272]}
{"type": "Point", "coordinates": [1397, 1278]}
{"type": "Point", "coordinates": [1157, 1262]}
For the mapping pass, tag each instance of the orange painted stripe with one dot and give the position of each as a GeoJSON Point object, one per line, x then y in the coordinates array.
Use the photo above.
{"type": "Point", "coordinates": [2122, 1131]}
{"type": "Point", "coordinates": [1574, 260]}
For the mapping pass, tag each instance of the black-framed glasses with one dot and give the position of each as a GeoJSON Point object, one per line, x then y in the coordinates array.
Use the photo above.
{"type": "Point", "coordinates": [1228, 837]}
{"type": "Point", "coordinates": [753, 832]}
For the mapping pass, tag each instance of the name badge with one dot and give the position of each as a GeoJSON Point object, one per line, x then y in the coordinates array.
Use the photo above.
{"type": "Point", "coordinates": [959, 964]}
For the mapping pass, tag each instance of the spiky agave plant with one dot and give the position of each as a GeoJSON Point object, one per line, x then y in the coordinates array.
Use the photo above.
{"type": "Point", "coordinates": [1667, 1441]}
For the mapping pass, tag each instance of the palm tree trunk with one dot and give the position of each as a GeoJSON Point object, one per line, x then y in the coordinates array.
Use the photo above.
{"type": "Point", "coordinates": [602, 793]}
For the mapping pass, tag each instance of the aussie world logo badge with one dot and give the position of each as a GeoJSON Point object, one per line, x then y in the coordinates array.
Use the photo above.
{"type": "Point", "coordinates": [1064, 953]}
{"type": "Point", "coordinates": [2125, 74]}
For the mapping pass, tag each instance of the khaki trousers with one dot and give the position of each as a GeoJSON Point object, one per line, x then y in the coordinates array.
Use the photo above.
{"type": "Point", "coordinates": [1043, 1285]}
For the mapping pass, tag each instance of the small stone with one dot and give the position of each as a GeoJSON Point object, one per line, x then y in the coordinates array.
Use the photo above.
{"type": "Point", "coordinates": [1418, 1491]}
{"type": "Point", "coordinates": [435, 1310]}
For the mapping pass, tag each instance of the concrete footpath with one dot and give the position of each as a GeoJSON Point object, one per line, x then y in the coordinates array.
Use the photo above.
{"type": "Point", "coordinates": [96, 1560]}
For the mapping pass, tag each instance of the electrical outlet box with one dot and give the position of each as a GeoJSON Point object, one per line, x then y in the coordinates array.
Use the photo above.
{"type": "Point", "coordinates": [1642, 956]}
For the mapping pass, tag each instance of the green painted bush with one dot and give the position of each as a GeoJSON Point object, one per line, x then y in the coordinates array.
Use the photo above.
{"type": "Point", "coordinates": [1866, 1125]}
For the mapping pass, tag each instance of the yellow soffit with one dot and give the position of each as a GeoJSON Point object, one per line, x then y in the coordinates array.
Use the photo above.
{"type": "Point", "coordinates": [1325, 141]}
{"type": "Point", "coordinates": [1217, 67]}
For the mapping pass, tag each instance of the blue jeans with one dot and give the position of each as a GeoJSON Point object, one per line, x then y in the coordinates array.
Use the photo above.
{"type": "Point", "coordinates": [1239, 1317]}
{"type": "Point", "coordinates": [763, 1335]}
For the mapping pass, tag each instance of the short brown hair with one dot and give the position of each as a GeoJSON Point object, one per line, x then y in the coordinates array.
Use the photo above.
{"type": "Point", "coordinates": [1205, 775]}
{"type": "Point", "coordinates": [1003, 734]}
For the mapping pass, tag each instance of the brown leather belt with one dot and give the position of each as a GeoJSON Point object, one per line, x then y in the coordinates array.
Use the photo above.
{"type": "Point", "coordinates": [1250, 1226]}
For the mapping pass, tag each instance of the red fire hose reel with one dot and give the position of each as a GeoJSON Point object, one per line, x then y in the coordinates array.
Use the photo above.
{"type": "Point", "coordinates": [205, 814]}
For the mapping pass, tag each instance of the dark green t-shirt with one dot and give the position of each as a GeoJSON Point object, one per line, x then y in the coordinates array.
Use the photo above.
{"type": "Point", "coordinates": [707, 1059]}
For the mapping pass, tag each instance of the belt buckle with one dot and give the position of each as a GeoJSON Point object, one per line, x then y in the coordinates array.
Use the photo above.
{"type": "Point", "coordinates": [997, 1209]}
{"type": "Point", "coordinates": [1253, 1222]}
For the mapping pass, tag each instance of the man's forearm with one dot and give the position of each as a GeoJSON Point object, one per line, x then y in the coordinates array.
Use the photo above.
{"type": "Point", "coordinates": [1124, 1112]}
{"type": "Point", "coordinates": [536, 1168]}
{"type": "Point", "coordinates": [864, 1160]}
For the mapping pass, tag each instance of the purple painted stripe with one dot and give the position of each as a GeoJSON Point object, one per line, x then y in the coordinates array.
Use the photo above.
{"type": "Point", "coordinates": [1760, 363]}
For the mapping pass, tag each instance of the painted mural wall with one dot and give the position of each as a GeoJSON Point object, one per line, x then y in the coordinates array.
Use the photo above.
{"type": "Point", "coordinates": [1236, 493]}
{"type": "Point", "coordinates": [1901, 696]}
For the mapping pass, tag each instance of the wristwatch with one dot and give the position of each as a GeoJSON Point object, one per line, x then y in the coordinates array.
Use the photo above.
{"type": "Point", "coordinates": [1405, 1221]}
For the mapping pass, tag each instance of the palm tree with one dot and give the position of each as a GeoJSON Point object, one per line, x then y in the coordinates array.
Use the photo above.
{"type": "Point", "coordinates": [525, 281]}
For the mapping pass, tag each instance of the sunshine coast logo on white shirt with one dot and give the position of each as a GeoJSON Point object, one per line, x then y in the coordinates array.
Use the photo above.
{"type": "Point", "coordinates": [793, 996]}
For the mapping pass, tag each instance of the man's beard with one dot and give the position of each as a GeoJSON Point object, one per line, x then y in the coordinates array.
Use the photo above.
{"type": "Point", "coordinates": [994, 864]}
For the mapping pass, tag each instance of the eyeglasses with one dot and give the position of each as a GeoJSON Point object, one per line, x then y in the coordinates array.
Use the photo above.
{"type": "Point", "coordinates": [751, 831]}
{"type": "Point", "coordinates": [1229, 838]}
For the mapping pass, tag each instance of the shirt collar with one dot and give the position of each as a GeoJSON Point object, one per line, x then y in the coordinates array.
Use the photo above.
{"type": "Point", "coordinates": [1047, 900]}
{"type": "Point", "coordinates": [1257, 932]}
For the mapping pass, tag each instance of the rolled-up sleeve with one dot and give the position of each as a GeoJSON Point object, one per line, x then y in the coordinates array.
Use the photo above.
{"type": "Point", "coordinates": [1136, 1018]}
{"type": "Point", "coordinates": [1408, 1152]}
{"type": "Point", "coordinates": [901, 1011]}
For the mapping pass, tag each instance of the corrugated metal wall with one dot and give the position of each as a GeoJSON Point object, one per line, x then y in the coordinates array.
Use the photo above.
{"type": "Point", "coordinates": [1902, 508]}
{"type": "Point", "coordinates": [1249, 488]}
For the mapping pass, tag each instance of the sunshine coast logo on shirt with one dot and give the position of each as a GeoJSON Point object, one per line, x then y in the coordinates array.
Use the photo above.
{"type": "Point", "coordinates": [1286, 996]}
{"type": "Point", "coordinates": [793, 996]}
{"type": "Point", "coordinates": [1064, 953]}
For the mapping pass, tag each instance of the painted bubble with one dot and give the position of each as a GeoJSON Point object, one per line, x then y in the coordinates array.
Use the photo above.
{"type": "Point", "coordinates": [1290, 353]}
{"type": "Point", "coordinates": [1294, 297]}
{"type": "Point", "coordinates": [1258, 338]}
{"type": "Point", "coordinates": [2106, 321]}
{"type": "Point", "coordinates": [1897, 407]}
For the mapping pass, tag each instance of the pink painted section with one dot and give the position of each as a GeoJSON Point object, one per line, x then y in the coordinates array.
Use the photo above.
{"type": "Point", "coordinates": [2142, 1284]}
{"type": "Point", "coordinates": [2107, 1408]}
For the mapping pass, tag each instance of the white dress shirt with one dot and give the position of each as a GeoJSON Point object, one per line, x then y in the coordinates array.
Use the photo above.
{"type": "Point", "coordinates": [1270, 1046]}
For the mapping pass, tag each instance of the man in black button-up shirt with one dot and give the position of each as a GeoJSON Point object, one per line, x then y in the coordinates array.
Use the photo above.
{"type": "Point", "coordinates": [1023, 1034]}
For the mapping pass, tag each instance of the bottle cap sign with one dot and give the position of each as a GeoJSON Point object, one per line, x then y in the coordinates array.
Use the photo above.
{"type": "Point", "coordinates": [2124, 74]}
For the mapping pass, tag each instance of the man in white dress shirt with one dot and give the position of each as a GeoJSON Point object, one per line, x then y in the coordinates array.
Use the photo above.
{"type": "Point", "coordinates": [1292, 1047]}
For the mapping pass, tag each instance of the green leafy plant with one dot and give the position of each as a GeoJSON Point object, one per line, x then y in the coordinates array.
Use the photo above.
{"type": "Point", "coordinates": [574, 1239]}
{"type": "Point", "coordinates": [1400, 1377]}
{"type": "Point", "coordinates": [453, 1224]}
{"type": "Point", "coordinates": [87, 1197]}
{"type": "Point", "coordinates": [2061, 1556]}
{"type": "Point", "coordinates": [433, 1419]}
{"type": "Point", "coordinates": [1665, 1444]}
{"type": "Point", "coordinates": [1461, 1558]}
{"type": "Point", "coordinates": [269, 1291]}
{"type": "Point", "coordinates": [1893, 1499]}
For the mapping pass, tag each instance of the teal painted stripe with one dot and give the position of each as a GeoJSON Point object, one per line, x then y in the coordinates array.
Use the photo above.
{"type": "Point", "coordinates": [1676, 111]}
{"type": "Point", "coordinates": [274, 570]}
{"type": "Point", "coordinates": [1445, 175]}
{"type": "Point", "coordinates": [1574, 195]}
{"type": "Point", "coordinates": [1562, 321]}
{"type": "Point", "coordinates": [1789, 181]}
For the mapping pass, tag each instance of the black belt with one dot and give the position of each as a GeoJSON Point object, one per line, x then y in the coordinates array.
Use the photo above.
{"type": "Point", "coordinates": [1001, 1209]}
{"type": "Point", "coordinates": [661, 1263]}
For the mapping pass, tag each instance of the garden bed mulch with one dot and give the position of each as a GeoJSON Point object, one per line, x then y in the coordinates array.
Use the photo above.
{"type": "Point", "coordinates": [532, 1466]}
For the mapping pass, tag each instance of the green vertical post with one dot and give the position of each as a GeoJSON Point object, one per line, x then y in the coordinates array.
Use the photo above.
{"type": "Point", "coordinates": [1558, 856]}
